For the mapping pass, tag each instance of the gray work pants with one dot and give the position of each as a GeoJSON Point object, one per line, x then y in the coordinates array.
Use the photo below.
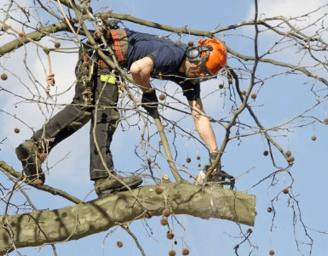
{"type": "Point", "coordinates": [75, 115]}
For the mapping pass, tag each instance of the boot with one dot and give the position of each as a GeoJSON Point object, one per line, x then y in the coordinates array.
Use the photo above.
{"type": "Point", "coordinates": [28, 153]}
{"type": "Point", "coordinates": [109, 185]}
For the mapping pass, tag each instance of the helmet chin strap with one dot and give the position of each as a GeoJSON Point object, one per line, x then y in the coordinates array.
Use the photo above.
{"type": "Point", "coordinates": [185, 66]}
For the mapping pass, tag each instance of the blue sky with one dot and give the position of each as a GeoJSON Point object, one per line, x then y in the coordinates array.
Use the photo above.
{"type": "Point", "coordinates": [279, 99]}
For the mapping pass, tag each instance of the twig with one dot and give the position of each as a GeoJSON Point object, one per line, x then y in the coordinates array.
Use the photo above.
{"type": "Point", "coordinates": [126, 228]}
{"type": "Point", "coordinates": [5, 168]}
{"type": "Point", "coordinates": [16, 186]}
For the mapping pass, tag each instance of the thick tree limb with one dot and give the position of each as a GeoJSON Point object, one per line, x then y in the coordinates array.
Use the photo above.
{"type": "Point", "coordinates": [75, 222]}
{"type": "Point", "coordinates": [37, 35]}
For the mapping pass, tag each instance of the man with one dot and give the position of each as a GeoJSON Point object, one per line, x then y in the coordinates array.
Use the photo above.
{"type": "Point", "coordinates": [145, 56]}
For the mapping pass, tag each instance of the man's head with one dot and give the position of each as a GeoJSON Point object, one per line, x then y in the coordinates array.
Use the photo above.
{"type": "Point", "coordinates": [207, 58]}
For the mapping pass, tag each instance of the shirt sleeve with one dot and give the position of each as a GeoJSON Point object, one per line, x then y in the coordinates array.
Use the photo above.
{"type": "Point", "coordinates": [168, 57]}
{"type": "Point", "coordinates": [165, 60]}
{"type": "Point", "coordinates": [191, 91]}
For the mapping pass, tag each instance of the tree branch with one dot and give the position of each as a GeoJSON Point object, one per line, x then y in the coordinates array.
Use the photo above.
{"type": "Point", "coordinates": [8, 170]}
{"type": "Point", "coordinates": [75, 222]}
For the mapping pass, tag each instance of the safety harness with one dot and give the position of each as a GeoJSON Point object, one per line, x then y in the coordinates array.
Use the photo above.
{"type": "Point", "coordinates": [117, 39]}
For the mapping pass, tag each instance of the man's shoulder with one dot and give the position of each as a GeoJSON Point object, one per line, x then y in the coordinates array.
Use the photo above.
{"type": "Point", "coordinates": [151, 38]}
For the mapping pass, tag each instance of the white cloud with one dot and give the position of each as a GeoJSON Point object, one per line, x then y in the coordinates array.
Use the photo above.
{"type": "Point", "coordinates": [289, 9]}
{"type": "Point", "coordinates": [309, 21]}
{"type": "Point", "coordinates": [286, 8]}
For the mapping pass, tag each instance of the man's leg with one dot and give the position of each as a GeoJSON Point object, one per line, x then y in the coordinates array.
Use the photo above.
{"type": "Point", "coordinates": [33, 151]}
{"type": "Point", "coordinates": [105, 118]}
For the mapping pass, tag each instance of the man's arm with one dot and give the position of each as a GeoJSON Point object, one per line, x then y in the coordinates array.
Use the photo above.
{"type": "Point", "coordinates": [141, 71]}
{"type": "Point", "coordinates": [203, 125]}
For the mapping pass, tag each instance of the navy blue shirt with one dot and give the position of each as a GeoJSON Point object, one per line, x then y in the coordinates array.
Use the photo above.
{"type": "Point", "coordinates": [167, 57]}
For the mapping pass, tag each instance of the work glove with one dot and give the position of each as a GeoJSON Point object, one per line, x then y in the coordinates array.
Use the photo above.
{"type": "Point", "coordinates": [149, 102]}
{"type": "Point", "coordinates": [218, 175]}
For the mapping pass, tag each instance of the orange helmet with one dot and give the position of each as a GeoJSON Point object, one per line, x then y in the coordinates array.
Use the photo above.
{"type": "Point", "coordinates": [216, 58]}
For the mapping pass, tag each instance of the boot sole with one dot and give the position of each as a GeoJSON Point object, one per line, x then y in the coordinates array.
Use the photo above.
{"type": "Point", "coordinates": [29, 167]}
{"type": "Point", "coordinates": [108, 192]}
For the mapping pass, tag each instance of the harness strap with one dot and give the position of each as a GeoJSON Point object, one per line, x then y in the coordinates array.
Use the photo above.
{"type": "Point", "coordinates": [117, 36]}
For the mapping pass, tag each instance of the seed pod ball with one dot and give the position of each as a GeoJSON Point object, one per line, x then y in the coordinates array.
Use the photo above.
{"type": "Point", "coordinates": [170, 234]}
{"type": "Point", "coordinates": [159, 190]}
{"type": "Point", "coordinates": [265, 153]}
{"type": "Point", "coordinates": [119, 243]}
{"type": "Point", "coordinates": [162, 96]}
{"type": "Point", "coordinates": [16, 130]}
{"type": "Point", "coordinates": [269, 209]}
{"type": "Point", "coordinates": [57, 44]}
{"type": "Point", "coordinates": [185, 251]}
{"type": "Point", "coordinates": [288, 153]}
{"type": "Point", "coordinates": [4, 76]}
{"type": "Point", "coordinates": [243, 93]}
{"type": "Point", "coordinates": [188, 160]}
{"type": "Point", "coordinates": [21, 34]}
{"type": "Point", "coordinates": [253, 96]}
{"type": "Point", "coordinates": [291, 159]}
{"type": "Point", "coordinates": [164, 221]}
{"type": "Point", "coordinates": [285, 190]}
{"type": "Point", "coordinates": [325, 120]}
{"type": "Point", "coordinates": [313, 137]}
{"type": "Point", "coordinates": [172, 253]}
{"type": "Point", "coordinates": [271, 252]}
{"type": "Point", "coordinates": [166, 212]}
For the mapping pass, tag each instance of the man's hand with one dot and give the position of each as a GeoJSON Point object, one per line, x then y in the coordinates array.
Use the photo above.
{"type": "Point", "coordinates": [149, 102]}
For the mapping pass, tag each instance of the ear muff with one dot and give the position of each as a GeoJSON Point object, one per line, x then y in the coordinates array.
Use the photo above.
{"type": "Point", "coordinates": [194, 54]}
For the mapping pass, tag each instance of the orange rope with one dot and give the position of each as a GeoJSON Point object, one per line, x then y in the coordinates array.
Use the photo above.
{"type": "Point", "coordinates": [67, 21]}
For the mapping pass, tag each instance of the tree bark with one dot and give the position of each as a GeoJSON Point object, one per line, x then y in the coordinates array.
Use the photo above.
{"type": "Point", "coordinates": [75, 222]}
